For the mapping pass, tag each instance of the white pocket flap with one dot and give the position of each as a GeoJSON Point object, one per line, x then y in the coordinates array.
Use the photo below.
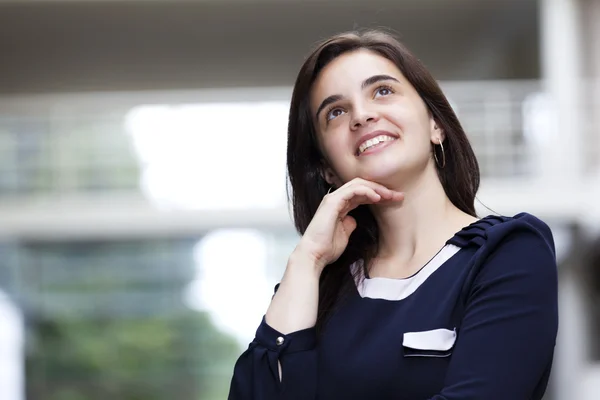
{"type": "Point", "coordinates": [437, 339]}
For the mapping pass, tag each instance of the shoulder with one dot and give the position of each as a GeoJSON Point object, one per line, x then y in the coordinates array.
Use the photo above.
{"type": "Point", "coordinates": [520, 234]}
{"type": "Point", "coordinates": [518, 251]}
{"type": "Point", "coordinates": [523, 228]}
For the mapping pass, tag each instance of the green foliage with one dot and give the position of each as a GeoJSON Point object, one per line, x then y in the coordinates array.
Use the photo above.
{"type": "Point", "coordinates": [180, 357]}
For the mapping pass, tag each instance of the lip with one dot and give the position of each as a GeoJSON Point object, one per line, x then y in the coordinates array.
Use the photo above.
{"type": "Point", "coordinates": [371, 135]}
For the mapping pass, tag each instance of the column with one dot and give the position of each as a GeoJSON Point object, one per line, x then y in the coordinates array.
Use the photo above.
{"type": "Point", "coordinates": [560, 154]}
{"type": "Point", "coordinates": [561, 146]}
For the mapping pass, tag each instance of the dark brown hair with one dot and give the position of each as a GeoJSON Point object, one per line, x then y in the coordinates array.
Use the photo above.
{"type": "Point", "coordinates": [459, 177]}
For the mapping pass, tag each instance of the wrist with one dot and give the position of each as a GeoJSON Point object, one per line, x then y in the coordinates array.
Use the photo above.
{"type": "Point", "coordinates": [303, 262]}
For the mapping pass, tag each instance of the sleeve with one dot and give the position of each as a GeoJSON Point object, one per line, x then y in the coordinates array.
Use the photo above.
{"type": "Point", "coordinates": [505, 344]}
{"type": "Point", "coordinates": [256, 372]}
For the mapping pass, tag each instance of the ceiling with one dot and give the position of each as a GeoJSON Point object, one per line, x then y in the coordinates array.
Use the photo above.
{"type": "Point", "coordinates": [54, 46]}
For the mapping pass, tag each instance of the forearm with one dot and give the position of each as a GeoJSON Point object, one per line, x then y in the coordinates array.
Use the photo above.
{"type": "Point", "coordinates": [294, 306]}
{"type": "Point", "coordinates": [291, 316]}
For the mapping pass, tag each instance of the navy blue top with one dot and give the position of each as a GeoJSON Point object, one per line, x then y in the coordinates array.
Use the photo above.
{"type": "Point", "coordinates": [479, 321]}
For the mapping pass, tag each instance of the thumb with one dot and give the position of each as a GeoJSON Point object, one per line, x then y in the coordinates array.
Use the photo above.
{"type": "Point", "coordinates": [349, 224]}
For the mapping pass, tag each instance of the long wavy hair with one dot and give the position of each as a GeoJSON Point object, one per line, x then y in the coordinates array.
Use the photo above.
{"type": "Point", "coordinates": [306, 185]}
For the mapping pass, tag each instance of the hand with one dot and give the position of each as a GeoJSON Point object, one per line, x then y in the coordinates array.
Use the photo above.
{"type": "Point", "coordinates": [328, 233]}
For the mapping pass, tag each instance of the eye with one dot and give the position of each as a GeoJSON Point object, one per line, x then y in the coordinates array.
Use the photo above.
{"type": "Point", "coordinates": [383, 91]}
{"type": "Point", "coordinates": [334, 113]}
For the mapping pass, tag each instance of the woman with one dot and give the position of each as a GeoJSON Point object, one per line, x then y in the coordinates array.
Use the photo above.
{"type": "Point", "coordinates": [396, 290]}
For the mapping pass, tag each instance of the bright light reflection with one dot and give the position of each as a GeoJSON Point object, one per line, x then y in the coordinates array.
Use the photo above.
{"type": "Point", "coordinates": [231, 281]}
{"type": "Point", "coordinates": [11, 351]}
{"type": "Point", "coordinates": [211, 156]}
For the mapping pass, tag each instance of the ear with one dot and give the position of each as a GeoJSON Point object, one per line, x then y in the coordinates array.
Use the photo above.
{"type": "Point", "coordinates": [329, 176]}
{"type": "Point", "coordinates": [437, 134]}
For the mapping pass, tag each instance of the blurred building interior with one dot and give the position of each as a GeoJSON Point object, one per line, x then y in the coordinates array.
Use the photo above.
{"type": "Point", "coordinates": [143, 213]}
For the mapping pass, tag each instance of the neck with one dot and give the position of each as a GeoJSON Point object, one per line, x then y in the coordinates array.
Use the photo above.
{"type": "Point", "coordinates": [419, 226]}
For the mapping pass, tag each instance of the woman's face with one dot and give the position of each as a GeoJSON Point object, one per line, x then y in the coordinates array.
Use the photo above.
{"type": "Point", "coordinates": [370, 122]}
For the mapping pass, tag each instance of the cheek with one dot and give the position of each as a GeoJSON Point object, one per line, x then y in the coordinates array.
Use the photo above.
{"type": "Point", "coordinates": [336, 149]}
{"type": "Point", "coordinates": [328, 145]}
{"type": "Point", "coordinates": [413, 123]}
{"type": "Point", "coordinates": [339, 155]}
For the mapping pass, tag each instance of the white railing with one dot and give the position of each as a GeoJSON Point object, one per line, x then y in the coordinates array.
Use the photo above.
{"type": "Point", "coordinates": [88, 149]}
{"type": "Point", "coordinates": [494, 115]}
{"type": "Point", "coordinates": [122, 156]}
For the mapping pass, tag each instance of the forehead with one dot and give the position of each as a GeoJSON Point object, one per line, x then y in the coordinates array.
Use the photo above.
{"type": "Point", "coordinates": [349, 70]}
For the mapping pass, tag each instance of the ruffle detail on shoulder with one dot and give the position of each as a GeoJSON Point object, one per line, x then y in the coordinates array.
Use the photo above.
{"type": "Point", "coordinates": [477, 234]}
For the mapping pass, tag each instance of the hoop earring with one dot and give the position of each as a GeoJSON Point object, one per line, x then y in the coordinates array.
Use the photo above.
{"type": "Point", "coordinates": [443, 156]}
{"type": "Point", "coordinates": [330, 187]}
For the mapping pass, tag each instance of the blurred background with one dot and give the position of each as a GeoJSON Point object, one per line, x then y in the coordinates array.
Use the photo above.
{"type": "Point", "coordinates": [143, 214]}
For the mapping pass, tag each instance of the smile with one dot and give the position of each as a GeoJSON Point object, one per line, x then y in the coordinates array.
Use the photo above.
{"type": "Point", "coordinates": [371, 143]}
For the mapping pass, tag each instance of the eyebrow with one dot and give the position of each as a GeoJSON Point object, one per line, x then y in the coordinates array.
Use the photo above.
{"type": "Point", "coordinates": [366, 83]}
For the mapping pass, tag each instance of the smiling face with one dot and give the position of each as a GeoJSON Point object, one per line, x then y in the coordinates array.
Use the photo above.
{"type": "Point", "coordinates": [371, 122]}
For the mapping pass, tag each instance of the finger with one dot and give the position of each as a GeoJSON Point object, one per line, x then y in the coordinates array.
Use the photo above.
{"type": "Point", "coordinates": [383, 191]}
{"type": "Point", "coordinates": [346, 199]}
{"type": "Point", "coordinates": [365, 195]}
{"type": "Point", "coordinates": [387, 194]}
{"type": "Point", "coordinates": [349, 224]}
{"type": "Point", "coordinates": [396, 196]}
{"type": "Point", "coordinates": [351, 194]}
{"type": "Point", "coordinates": [359, 200]}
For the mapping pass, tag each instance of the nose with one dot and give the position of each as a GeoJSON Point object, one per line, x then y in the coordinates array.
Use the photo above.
{"type": "Point", "coordinates": [362, 117]}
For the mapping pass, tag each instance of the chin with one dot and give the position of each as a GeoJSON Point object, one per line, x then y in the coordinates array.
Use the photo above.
{"type": "Point", "coordinates": [385, 177]}
{"type": "Point", "coordinates": [394, 176]}
{"type": "Point", "coordinates": [381, 169]}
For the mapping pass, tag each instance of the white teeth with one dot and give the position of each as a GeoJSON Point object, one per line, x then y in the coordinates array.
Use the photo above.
{"type": "Point", "coordinates": [373, 142]}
